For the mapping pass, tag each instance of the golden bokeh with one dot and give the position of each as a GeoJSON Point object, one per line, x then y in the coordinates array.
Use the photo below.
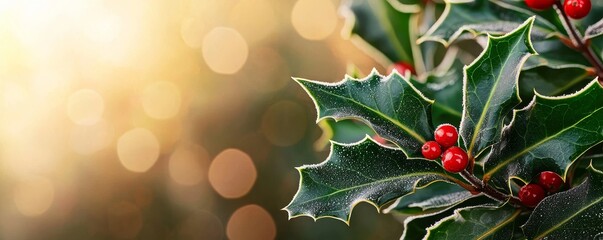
{"type": "Point", "coordinates": [251, 222]}
{"type": "Point", "coordinates": [232, 173]}
{"type": "Point", "coordinates": [33, 196]}
{"type": "Point", "coordinates": [314, 19]}
{"type": "Point", "coordinates": [224, 50]}
{"type": "Point", "coordinates": [85, 107]}
{"type": "Point", "coordinates": [87, 140]}
{"type": "Point", "coordinates": [138, 149]}
{"type": "Point", "coordinates": [188, 165]}
{"type": "Point", "coordinates": [254, 19]}
{"type": "Point", "coordinates": [161, 100]}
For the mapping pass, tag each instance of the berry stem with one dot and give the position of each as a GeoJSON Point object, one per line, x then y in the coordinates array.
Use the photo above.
{"type": "Point", "coordinates": [488, 190]}
{"type": "Point", "coordinates": [579, 43]}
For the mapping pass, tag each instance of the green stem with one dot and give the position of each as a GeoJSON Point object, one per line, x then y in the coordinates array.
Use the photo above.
{"type": "Point", "coordinates": [488, 190]}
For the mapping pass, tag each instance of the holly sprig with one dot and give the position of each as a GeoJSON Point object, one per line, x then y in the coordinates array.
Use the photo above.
{"type": "Point", "coordinates": [513, 156]}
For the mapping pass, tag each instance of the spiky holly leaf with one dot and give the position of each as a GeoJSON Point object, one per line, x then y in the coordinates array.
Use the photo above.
{"type": "Point", "coordinates": [344, 131]}
{"type": "Point", "coordinates": [575, 213]}
{"type": "Point", "coordinates": [552, 82]}
{"type": "Point", "coordinates": [415, 227]}
{"type": "Point", "coordinates": [387, 26]}
{"type": "Point", "coordinates": [480, 17]}
{"type": "Point", "coordinates": [491, 87]}
{"type": "Point", "coordinates": [549, 134]}
{"type": "Point", "coordinates": [361, 172]}
{"type": "Point", "coordinates": [388, 104]}
{"type": "Point", "coordinates": [478, 222]}
{"type": "Point", "coordinates": [433, 197]}
{"type": "Point", "coordinates": [447, 91]}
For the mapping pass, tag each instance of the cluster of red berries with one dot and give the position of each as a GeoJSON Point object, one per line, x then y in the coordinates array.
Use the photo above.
{"type": "Point", "coordinates": [575, 9]}
{"type": "Point", "coordinates": [454, 159]}
{"type": "Point", "coordinates": [547, 183]}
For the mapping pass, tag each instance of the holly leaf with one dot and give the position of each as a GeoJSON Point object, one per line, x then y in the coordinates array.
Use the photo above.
{"type": "Point", "coordinates": [490, 86]}
{"type": "Point", "coordinates": [344, 131]}
{"type": "Point", "coordinates": [447, 91]}
{"type": "Point", "coordinates": [361, 172]}
{"type": "Point", "coordinates": [388, 104]}
{"type": "Point", "coordinates": [552, 82]}
{"type": "Point", "coordinates": [549, 134]}
{"type": "Point", "coordinates": [386, 26]}
{"type": "Point", "coordinates": [481, 17]}
{"type": "Point", "coordinates": [594, 30]}
{"type": "Point", "coordinates": [577, 212]}
{"type": "Point", "coordinates": [415, 227]}
{"type": "Point", "coordinates": [478, 222]}
{"type": "Point", "coordinates": [554, 54]}
{"type": "Point", "coordinates": [435, 196]}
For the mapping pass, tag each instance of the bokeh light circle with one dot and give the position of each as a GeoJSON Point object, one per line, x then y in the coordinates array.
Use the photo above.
{"type": "Point", "coordinates": [85, 107]}
{"type": "Point", "coordinates": [314, 19]}
{"type": "Point", "coordinates": [161, 100]}
{"type": "Point", "coordinates": [186, 165]}
{"type": "Point", "coordinates": [138, 149]}
{"type": "Point", "coordinates": [232, 173]}
{"type": "Point", "coordinates": [87, 140]}
{"type": "Point", "coordinates": [224, 50]}
{"type": "Point", "coordinates": [251, 222]}
{"type": "Point", "coordinates": [33, 196]}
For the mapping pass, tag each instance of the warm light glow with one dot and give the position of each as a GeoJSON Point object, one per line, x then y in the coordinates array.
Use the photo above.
{"type": "Point", "coordinates": [85, 107]}
{"type": "Point", "coordinates": [33, 196]}
{"type": "Point", "coordinates": [161, 100]}
{"type": "Point", "coordinates": [314, 19]}
{"type": "Point", "coordinates": [138, 150]}
{"type": "Point", "coordinates": [251, 222]}
{"type": "Point", "coordinates": [104, 29]}
{"type": "Point", "coordinates": [192, 30]}
{"type": "Point", "coordinates": [284, 123]}
{"type": "Point", "coordinates": [255, 19]}
{"type": "Point", "coordinates": [87, 140]}
{"type": "Point", "coordinates": [124, 220]}
{"type": "Point", "coordinates": [186, 165]}
{"type": "Point", "coordinates": [224, 50]}
{"type": "Point", "coordinates": [232, 173]}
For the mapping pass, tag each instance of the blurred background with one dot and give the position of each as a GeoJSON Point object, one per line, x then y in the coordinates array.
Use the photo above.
{"type": "Point", "coordinates": [156, 119]}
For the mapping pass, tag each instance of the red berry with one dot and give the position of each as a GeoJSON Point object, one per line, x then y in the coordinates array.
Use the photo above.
{"type": "Point", "coordinates": [540, 4]}
{"type": "Point", "coordinates": [402, 67]}
{"type": "Point", "coordinates": [455, 159]}
{"type": "Point", "coordinates": [550, 181]}
{"type": "Point", "coordinates": [380, 140]}
{"type": "Point", "coordinates": [431, 150]}
{"type": "Point", "coordinates": [446, 135]}
{"type": "Point", "coordinates": [531, 194]}
{"type": "Point", "coordinates": [576, 9]}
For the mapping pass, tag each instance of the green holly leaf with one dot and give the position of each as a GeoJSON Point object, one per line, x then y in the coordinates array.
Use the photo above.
{"type": "Point", "coordinates": [549, 134]}
{"type": "Point", "coordinates": [386, 26]}
{"type": "Point", "coordinates": [481, 17]}
{"type": "Point", "coordinates": [575, 213]}
{"type": "Point", "coordinates": [447, 91]}
{"type": "Point", "coordinates": [344, 131]}
{"type": "Point", "coordinates": [594, 30]}
{"type": "Point", "coordinates": [552, 82]}
{"type": "Point", "coordinates": [362, 172]}
{"type": "Point", "coordinates": [478, 222]}
{"type": "Point", "coordinates": [554, 54]}
{"type": "Point", "coordinates": [388, 104]}
{"type": "Point", "coordinates": [432, 197]}
{"type": "Point", "coordinates": [415, 227]}
{"type": "Point", "coordinates": [491, 87]}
